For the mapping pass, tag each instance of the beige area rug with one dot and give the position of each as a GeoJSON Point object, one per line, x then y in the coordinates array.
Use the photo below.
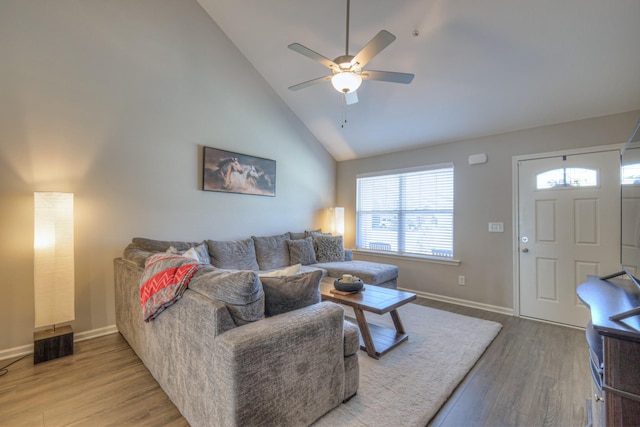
{"type": "Point", "coordinates": [408, 385]}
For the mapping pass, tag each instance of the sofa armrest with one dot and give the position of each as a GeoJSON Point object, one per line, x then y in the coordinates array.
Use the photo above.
{"type": "Point", "coordinates": [288, 369]}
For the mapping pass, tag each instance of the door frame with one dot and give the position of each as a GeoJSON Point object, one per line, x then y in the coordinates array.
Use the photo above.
{"type": "Point", "coordinates": [515, 199]}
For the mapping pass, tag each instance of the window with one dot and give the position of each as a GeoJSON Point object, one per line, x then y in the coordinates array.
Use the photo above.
{"type": "Point", "coordinates": [567, 177]}
{"type": "Point", "coordinates": [406, 212]}
{"type": "Point", "coordinates": [631, 174]}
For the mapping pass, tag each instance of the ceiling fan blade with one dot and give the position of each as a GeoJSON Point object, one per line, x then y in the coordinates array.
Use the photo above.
{"type": "Point", "coordinates": [310, 83]}
{"type": "Point", "coordinates": [380, 41]}
{"type": "Point", "coordinates": [297, 47]}
{"type": "Point", "coordinates": [387, 76]}
{"type": "Point", "coordinates": [351, 97]}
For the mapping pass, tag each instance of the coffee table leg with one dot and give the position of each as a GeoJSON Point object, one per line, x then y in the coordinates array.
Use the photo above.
{"type": "Point", "coordinates": [397, 322]}
{"type": "Point", "coordinates": [366, 333]}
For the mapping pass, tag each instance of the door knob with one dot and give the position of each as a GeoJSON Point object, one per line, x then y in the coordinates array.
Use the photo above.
{"type": "Point", "coordinates": [525, 250]}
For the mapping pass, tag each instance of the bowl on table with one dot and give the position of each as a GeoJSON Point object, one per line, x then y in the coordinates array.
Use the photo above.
{"type": "Point", "coordinates": [352, 286]}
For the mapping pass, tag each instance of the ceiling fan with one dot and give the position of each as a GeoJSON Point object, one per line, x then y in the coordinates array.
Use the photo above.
{"type": "Point", "coordinates": [347, 72]}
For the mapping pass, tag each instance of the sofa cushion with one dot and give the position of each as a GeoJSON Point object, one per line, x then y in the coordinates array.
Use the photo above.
{"type": "Point", "coordinates": [287, 293]}
{"type": "Point", "coordinates": [136, 255]}
{"type": "Point", "coordinates": [301, 251]}
{"type": "Point", "coordinates": [240, 291]}
{"type": "Point", "coordinates": [329, 248]}
{"type": "Point", "coordinates": [287, 271]}
{"type": "Point", "coordinates": [152, 245]}
{"type": "Point", "coordinates": [372, 273]}
{"type": "Point", "coordinates": [272, 251]}
{"type": "Point", "coordinates": [200, 253]}
{"type": "Point", "coordinates": [235, 254]}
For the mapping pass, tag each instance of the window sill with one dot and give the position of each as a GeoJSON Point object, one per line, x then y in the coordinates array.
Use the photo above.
{"type": "Point", "coordinates": [412, 257]}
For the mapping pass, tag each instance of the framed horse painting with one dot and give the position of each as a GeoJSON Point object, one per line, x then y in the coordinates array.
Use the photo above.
{"type": "Point", "coordinates": [231, 172]}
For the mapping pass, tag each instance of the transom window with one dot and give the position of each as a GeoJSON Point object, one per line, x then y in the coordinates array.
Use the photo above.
{"type": "Point", "coordinates": [567, 177]}
{"type": "Point", "coordinates": [406, 212]}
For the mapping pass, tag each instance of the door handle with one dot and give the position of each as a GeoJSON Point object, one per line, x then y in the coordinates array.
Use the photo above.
{"type": "Point", "coordinates": [525, 250]}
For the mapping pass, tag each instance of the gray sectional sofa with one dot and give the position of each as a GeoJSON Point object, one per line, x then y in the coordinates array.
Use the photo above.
{"type": "Point", "coordinates": [238, 348]}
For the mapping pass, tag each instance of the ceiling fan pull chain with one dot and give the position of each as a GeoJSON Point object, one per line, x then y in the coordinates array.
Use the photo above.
{"type": "Point", "coordinates": [344, 113]}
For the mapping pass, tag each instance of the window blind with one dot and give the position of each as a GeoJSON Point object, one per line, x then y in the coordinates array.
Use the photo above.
{"type": "Point", "coordinates": [408, 212]}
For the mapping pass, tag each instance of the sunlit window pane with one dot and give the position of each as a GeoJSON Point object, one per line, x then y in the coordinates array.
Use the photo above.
{"type": "Point", "coordinates": [567, 178]}
{"type": "Point", "coordinates": [631, 174]}
{"type": "Point", "coordinates": [407, 212]}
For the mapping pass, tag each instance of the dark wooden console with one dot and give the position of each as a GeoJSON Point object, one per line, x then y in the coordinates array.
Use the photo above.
{"type": "Point", "coordinates": [615, 351]}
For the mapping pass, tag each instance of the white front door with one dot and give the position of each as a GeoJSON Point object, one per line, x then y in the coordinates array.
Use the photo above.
{"type": "Point", "coordinates": [569, 226]}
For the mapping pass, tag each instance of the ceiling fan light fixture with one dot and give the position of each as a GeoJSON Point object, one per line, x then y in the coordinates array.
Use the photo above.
{"type": "Point", "coordinates": [346, 81]}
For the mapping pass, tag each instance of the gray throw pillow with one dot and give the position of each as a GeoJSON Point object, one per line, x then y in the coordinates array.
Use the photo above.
{"type": "Point", "coordinates": [297, 236]}
{"type": "Point", "coordinates": [240, 291]}
{"type": "Point", "coordinates": [288, 293]}
{"type": "Point", "coordinates": [329, 248]}
{"type": "Point", "coordinates": [234, 255]}
{"type": "Point", "coordinates": [272, 251]}
{"type": "Point", "coordinates": [301, 251]}
{"type": "Point", "coordinates": [310, 233]}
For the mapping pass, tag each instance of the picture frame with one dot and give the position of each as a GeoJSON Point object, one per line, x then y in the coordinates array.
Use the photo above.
{"type": "Point", "coordinates": [231, 172]}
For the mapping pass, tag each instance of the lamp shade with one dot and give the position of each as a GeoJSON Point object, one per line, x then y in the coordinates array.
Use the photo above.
{"type": "Point", "coordinates": [337, 215]}
{"type": "Point", "coordinates": [53, 261]}
{"type": "Point", "coordinates": [346, 81]}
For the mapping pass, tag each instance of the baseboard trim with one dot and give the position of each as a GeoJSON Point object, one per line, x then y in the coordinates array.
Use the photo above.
{"type": "Point", "coordinates": [81, 336]}
{"type": "Point", "coordinates": [462, 302]}
{"type": "Point", "coordinates": [95, 333]}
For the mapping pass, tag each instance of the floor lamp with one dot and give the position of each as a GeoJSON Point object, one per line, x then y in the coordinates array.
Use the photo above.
{"type": "Point", "coordinates": [337, 219]}
{"type": "Point", "coordinates": [53, 275]}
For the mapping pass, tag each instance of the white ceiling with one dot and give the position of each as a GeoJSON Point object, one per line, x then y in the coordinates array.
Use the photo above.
{"type": "Point", "coordinates": [481, 67]}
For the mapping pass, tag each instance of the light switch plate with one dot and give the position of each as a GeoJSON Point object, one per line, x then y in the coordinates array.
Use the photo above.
{"type": "Point", "coordinates": [496, 227]}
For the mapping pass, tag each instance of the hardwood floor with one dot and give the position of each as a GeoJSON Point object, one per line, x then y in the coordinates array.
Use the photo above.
{"type": "Point", "coordinates": [532, 374]}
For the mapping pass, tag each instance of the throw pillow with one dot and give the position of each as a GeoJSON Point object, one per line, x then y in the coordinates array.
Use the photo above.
{"type": "Point", "coordinates": [329, 248]}
{"type": "Point", "coordinates": [240, 291]}
{"type": "Point", "coordinates": [310, 233]}
{"type": "Point", "coordinates": [272, 251]}
{"type": "Point", "coordinates": [288, 293]}
{"type": "Point", "coordinates": [301, 251]}
{"type": "Point", "coordinates": [235, 255]}
{"type": "Point", "coordinates": [288, 271]}
{"type": "Point", "coordinates": [297, 236]}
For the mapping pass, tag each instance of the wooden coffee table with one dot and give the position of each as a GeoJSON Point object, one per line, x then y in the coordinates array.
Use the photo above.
{"type": "Point", "coordinates": [375, 340]}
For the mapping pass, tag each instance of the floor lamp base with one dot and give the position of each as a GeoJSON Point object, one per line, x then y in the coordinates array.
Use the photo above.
{"type": "Point", "coordinates": [52, 344]}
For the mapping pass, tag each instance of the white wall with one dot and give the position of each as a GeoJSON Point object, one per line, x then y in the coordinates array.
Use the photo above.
{"type": "Point", "coordinates": [112, 100]}
{"type": "Point", "coordinates": [483, 194]}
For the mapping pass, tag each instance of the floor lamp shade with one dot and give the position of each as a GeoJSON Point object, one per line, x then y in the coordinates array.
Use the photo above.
{"type": "Point", "coordinates": [53, 268]}
{"type": "Point", "coordinates": [338, 221]}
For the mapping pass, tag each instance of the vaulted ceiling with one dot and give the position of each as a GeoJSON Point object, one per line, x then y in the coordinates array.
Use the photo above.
{"type": "Point", "coordinates": [481, 67]}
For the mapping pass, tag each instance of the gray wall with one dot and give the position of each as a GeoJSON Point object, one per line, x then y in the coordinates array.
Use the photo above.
{"type": "Point", "coordinates": [112, 100]}
{"type": "Point", "coordinates": [483, 194]}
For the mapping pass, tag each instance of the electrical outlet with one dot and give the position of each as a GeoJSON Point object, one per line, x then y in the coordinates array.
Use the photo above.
{"type": "Point", "coordinates": [461, 280]}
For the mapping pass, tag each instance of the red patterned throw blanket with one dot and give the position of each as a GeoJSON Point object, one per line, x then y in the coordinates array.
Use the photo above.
{"type": "Point", "coordinates": [165, 278]}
